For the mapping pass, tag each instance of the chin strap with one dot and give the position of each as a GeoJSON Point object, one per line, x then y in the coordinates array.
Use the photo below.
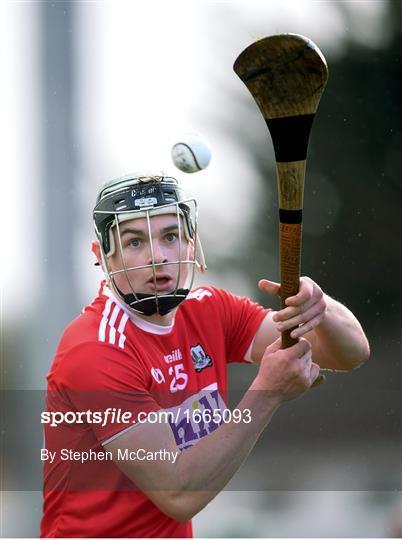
{"type": "Point", "coordinates": [148, 304]}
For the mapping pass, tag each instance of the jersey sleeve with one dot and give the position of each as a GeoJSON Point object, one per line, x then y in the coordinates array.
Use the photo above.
{"type": "Point", "coordinates": [241, 319]}
{"type": "Point", "coordinates": [106, 382]}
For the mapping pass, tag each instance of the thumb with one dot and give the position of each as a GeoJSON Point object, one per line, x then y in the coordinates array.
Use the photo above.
{"type": "Point", "coordinates": [274, 346]}
{"type": "Point", "coordinates": [269, 287]}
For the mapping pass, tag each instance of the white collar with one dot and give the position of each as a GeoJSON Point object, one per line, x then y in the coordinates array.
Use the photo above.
{"type": "Point", "coordinates": [147, 326]}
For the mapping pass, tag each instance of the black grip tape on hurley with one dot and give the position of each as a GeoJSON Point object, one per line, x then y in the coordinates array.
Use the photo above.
{"type": "Point", "coordinates": [290, 216]}
{"type": "Point", "coordinates": [290, 135]}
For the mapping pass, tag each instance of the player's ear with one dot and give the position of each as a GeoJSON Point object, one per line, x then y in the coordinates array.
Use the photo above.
{"type": "Point", "coordinates": [190, 248]}
{"type": "Point", "coordinates": [96, 250]}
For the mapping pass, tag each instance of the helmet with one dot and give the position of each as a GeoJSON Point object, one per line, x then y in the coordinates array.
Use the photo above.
{"type": "Point", "coordinates": [145, 196]}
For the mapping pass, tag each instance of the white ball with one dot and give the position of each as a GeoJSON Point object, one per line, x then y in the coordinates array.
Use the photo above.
{"type": "Point", "coordinates": [191, 154]}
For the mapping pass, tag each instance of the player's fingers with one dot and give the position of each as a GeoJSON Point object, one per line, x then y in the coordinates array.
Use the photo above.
{"type": "Point", "coordinates": [274, 346]}
{"type": "Point", "coordinates": [306, 361]}
{"type": "Point", "coordinates": [289, 312]}
{"type": "Point", "coordinates": [304, 294]}
{"type": "Point", "coordinates": [307, 290]}
{"type": "Point", "coordinates": [300, 348]}
{"type": "Point", "coordinates": [269, 287]}
{"type": "Point", "coordinates": [286, 313]}
{"type": "Point", "coordinates": [303, 317]}
{"type": "Point", "coordinates": [307, 327]}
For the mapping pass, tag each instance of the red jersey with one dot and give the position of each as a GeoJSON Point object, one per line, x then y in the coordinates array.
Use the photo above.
{"type": "Point", "coordinates": [110, 358]}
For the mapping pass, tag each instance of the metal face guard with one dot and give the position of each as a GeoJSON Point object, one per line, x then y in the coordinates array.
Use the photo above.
{"type": "Point", "coordinates": [161, 303]}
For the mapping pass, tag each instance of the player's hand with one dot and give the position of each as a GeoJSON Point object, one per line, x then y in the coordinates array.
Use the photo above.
{"type": "Point", "coordinates": [286, 373]}
{"type": "Point", "coordinates": [305, 310]}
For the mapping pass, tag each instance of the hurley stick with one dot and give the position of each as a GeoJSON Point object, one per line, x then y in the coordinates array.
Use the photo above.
{"type": "Point", "coordinates": [286, 75]}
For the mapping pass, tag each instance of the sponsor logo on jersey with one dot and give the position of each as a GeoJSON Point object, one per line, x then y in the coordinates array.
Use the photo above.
{"type": "Point", "coordinates": [187, 430]}
{"type": "Point", "coordinates": [174, 356]}
{"type": "Point", "coordinates": [200, 359]}
{"type": "Point", "coordinates": [157, 375]}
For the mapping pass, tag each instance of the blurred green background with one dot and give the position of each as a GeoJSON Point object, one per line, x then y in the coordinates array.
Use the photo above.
{"type": "Point", "coordinates": [93, 90]}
